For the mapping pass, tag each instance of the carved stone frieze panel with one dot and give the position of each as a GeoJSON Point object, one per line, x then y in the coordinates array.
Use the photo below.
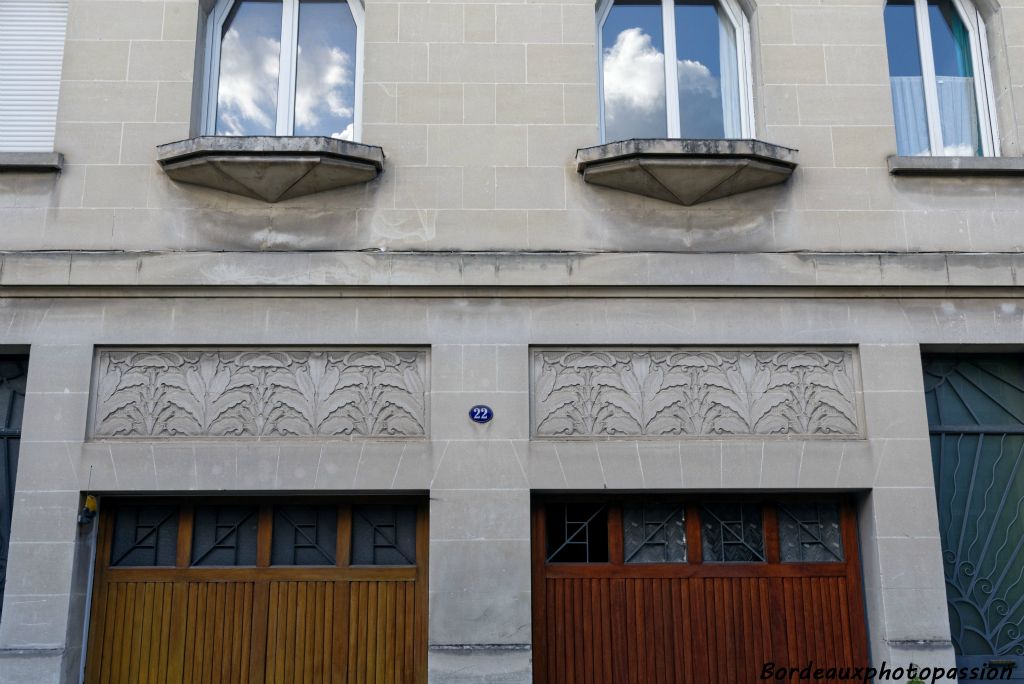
{"type": "Point", "coordinates": [693, 392]}
{"type": "Point", "coordinates": [259, 393]}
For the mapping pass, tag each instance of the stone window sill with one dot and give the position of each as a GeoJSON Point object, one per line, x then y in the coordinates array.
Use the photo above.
{"type": "Point", "coordinates": [956, 166]}
{"type": "Point", "coordinates": [686, 172]}
{"type": "Point", "coordinates": [31, 162]}
{"type": "Point", "coordinates": [268, 168]}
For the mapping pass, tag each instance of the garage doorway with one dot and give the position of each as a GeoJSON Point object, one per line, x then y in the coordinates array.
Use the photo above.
{"type": "Point", "coordinates": [237, 590]}
{"type": "Point", "coordinates": [693, 589]}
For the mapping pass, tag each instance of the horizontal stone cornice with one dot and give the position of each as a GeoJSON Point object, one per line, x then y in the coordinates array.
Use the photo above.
{"type": "Point", "coordinates": [129, 271]}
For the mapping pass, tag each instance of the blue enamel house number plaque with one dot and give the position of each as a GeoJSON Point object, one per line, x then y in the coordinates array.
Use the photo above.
{"type": "Point", "coordinates": [481, 414]}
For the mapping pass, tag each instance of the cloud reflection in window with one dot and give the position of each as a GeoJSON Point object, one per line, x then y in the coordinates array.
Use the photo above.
{"type": "Point", "coordinates": [325, 83]}
{"type": "Point", "coordinates": [249, 65]}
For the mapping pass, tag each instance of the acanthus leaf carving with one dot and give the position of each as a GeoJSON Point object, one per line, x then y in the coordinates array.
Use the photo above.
{"type": "Point", "coordinates": [661, 392]}
{"type": "Point", "coordinates": [249, 393]}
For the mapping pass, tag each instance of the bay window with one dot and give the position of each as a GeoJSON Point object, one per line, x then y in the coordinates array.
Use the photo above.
{"type": "Point", "coordinates": [283, 68]}
{"type": "Point", "coordinates": [674, 69]}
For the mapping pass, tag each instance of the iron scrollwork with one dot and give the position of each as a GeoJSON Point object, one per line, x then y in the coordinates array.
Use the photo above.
{"type": "Point", "coordinates": [976, 419]}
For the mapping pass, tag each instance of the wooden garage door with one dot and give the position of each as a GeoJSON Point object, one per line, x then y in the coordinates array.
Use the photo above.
{"type": "Point", "coordinates": [693, 590]}
{"type": "Point", "coordinates": [250, 591]}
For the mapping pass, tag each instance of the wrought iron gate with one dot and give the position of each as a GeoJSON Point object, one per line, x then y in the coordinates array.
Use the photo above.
{"type": "Point", "coordinates": [13, 370]}
{"type": "Point", "coordinates": [976, 420]}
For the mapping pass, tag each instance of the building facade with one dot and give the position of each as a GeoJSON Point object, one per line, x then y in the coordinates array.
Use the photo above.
{"type": "Point", "coordinates": [384, 358]}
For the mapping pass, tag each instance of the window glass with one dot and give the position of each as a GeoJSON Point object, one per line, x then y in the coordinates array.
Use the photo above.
{"type": "Point", "coordinates": [954, 78]}
{"type": "Point", "coordinates": [707, 69]}
{"type": "Point", "coordinates": [250, 54]}
{"type": "Point", "coordinates": [225, 535]}
{"type": "Point", "coordinates": [810, 533]}
{"type": "Point", "coordinates": [732, 533]}
{"type": "Point", "coordinates": [144, 536]}
{"type": "Point", "coordinates": [905, 78]}
{"type": "Point", "coordinates": [577, 533]}
{"type": "Point", "coordinates": [383, 535]}
{"type": "Point", "coordinates": [654, 533]}
{"type": "Point", "coordinates": [325, 78]}
{"type": "Point", "coordinates": [633, 67]}
{"type": "Point", "coordinates": [304, 535]}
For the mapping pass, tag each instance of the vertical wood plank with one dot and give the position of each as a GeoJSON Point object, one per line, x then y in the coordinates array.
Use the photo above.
{"type": "Point", "coordinates": [183, 624]}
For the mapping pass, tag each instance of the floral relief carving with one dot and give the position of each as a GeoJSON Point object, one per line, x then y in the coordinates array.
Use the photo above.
{"type": "Point", "coordinates": [590, 392]}
{"type": "Point", "coordinates": [217, 393]}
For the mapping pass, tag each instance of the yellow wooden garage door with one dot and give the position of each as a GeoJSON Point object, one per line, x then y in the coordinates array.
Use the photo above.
{"type": "Point", "coordinates": [250, 591]}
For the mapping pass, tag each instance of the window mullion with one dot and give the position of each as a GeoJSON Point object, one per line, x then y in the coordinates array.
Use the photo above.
{"type": "Point", "coordinates": [931, 90]}
{"type": "Point", "coordinates": [214, 37]}
{"type": "Point", "coordinates": [671, 68]}
{"type": "Point", "coordinates": [286, 73]}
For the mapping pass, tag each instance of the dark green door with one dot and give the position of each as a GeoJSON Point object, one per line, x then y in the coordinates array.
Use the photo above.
{"type": "Point", "coordinates": [976, 420]}
{"type": "Point", "coordinates": [12, 403]}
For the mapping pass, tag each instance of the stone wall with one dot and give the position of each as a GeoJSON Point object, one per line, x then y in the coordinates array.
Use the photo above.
{"type": "Point", "coordinates": [480, 477]}
{"type": "Point", "coordinates": [480, 107]}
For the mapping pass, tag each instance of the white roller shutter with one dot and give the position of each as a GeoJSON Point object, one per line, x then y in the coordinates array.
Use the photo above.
{"type": "Point", "coordinates": [31, 50]}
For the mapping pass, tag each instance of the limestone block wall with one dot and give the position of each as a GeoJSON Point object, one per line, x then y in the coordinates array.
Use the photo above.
{"type": "Point", "coordinates": [479, 477]}
{"type": "Point", "coordinates": [480, 107]}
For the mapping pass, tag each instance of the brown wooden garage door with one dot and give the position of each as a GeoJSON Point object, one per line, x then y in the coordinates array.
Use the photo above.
{"type": "Point", "coordinates": [693, 590]}
{"type": "Point", "coordinates": [250, 591]}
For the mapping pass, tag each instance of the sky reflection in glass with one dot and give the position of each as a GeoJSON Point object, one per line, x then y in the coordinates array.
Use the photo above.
{"type": "Point", "coordinates": [952, 82]}
{"type": "Point", "coordinates": [698, 41]}
{"type": "Point", "coordinates": [634, 72]}
{"type": "Point", "coordinates": [249, 64]}
{"type": "Point", "coordinates": [325, 79]}
{"type": "Point", "coordinates": [634, 76]}
{"type": "Point", "coordinates": [901, 38]}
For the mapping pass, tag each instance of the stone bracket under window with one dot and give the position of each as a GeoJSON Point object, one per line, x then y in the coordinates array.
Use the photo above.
{"type": "Point", "coordinates": [270, 168]}
{"type": "Point", "coordinates": [956, 166]}
{"type": "Point", "coordinates": [686, 172]}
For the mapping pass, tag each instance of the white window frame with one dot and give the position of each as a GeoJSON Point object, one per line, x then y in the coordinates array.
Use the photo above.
{"type": "Point", "coordinates": [287, 71]}
{"type": "Point", "coordinates": [740, 25]}
{"type": "Point", "coordinates": [983, 94]}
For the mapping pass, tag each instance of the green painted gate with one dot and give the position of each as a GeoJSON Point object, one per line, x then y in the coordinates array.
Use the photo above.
{"type": "Point", "coordinates": [976, 420]}
{"type": "Point", "coordinates": [12, 403]}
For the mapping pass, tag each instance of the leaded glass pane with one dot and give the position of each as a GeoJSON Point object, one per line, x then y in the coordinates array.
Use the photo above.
{"type": "Point", "coordinates": [809, 533]}
{"type": "Point", "coordinates": [225, 535]}
{"type": "Point", "coordinates": [304, 535]}
{"type": "Point", "coordinates": [383, 534]}
{"type": "Point", "coordinates": [144, 536]}
{"type": "Point", "coordinates": [732, 533]}
{"type": "Point", "coordinates": [654, 533]}
{"type": "Point", "coordinates": [577, 533]}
